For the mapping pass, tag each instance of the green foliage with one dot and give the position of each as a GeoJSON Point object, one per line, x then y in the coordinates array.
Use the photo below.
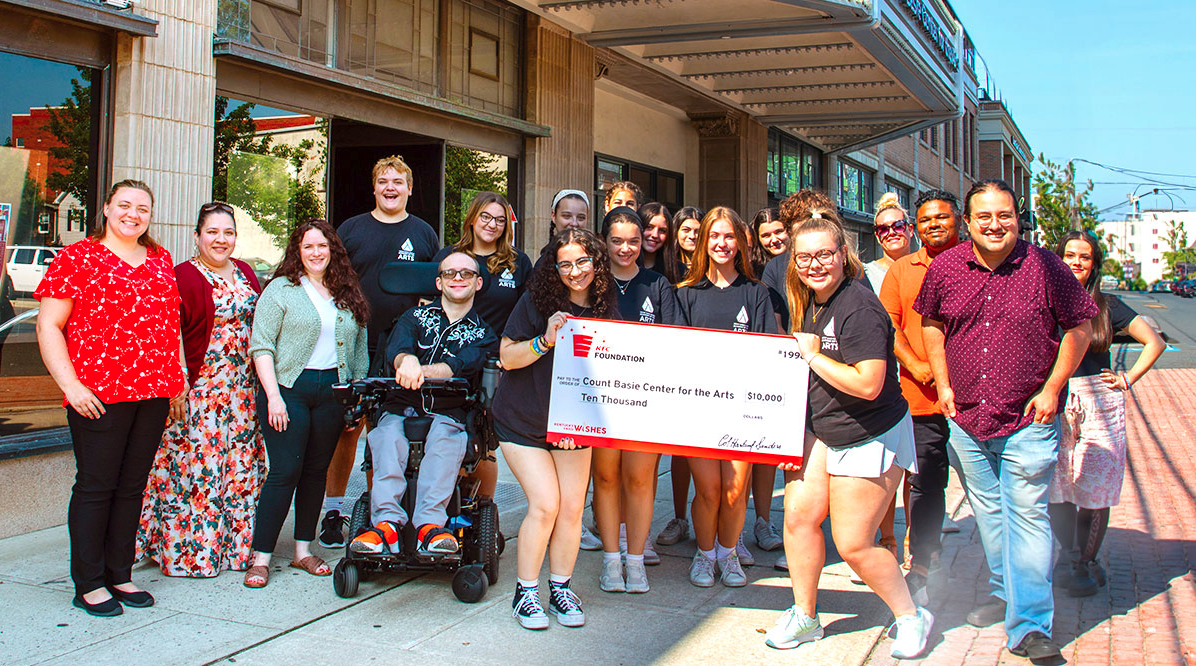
{"type": "Point", "coordinates": [1062, 207]}
{"type": "Point", "coordinates": [467, 172]}
{"type": "Point", "coordinates": [1177, 251]}
{"type": "Point", "coordinates": [1138, 284]}
{"type": "Point", "coordinates": [70, 124]}
{"type": "Point", "coordinates": [265, 180]}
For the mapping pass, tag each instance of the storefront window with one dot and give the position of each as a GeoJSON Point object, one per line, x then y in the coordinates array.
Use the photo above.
{"type": "Point", "coordinates": [855, 187]}
{"type": "Point", "coordinates": [657, 184]}
{"type": "Point", "coordinates": [270, 164]}
{"type": "Point", "coordinates": [45, 189]}
{"type": "Point", "coordinates": [903, 193]}
{"type": "Point", "coordinates": [792, 165]}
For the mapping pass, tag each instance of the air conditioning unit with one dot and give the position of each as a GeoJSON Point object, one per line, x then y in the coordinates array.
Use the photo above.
{"type": "Point", "coordinates": [118, 4]}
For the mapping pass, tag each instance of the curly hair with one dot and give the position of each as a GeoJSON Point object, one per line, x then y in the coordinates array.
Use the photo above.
{"type": "Point", "coordinates": [549, 293]}
{"type": "Point", "coordinates": [624, 186]}
{"type": "Point", "coordinates": [799, 204]}
{"type": "Point", "coordinates": [339, 278]}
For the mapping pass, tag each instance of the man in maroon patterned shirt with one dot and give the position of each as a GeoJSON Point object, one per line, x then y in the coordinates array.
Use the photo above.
{"type": "Point", "coordinates": [993, 310]}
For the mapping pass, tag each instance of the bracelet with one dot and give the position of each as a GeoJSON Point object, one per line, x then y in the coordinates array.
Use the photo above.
{"type": "Point", "coordinates": [539, 347]}
{"type": "Point", "coordinates": [1126, 380]}
{"type": "Point", "coordinates": [812, 357]}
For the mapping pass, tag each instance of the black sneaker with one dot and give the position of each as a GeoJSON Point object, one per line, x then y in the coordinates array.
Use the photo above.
{"type": "Point", "coordinates": [565, 605]}
{"type": "Point", "coordinates": [1038, 648]}
{"type": "Point", "coordinates": [527, 608]}
{"type": "Point", "coordinates": [332, 530]}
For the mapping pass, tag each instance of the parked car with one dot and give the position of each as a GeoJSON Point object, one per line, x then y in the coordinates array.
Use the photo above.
{"type": "Point", "coordinates": [1184, 288]}
{"type": "Point", "coordinates": [26, 264]}
{"type": "Point", "coordinates": [262, 268]}
{"type": "Point", "coordinates": [1161, 287]}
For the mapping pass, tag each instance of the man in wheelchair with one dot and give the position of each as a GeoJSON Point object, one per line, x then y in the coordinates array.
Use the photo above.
{"type": "Point", "coordinates": [444, 339]}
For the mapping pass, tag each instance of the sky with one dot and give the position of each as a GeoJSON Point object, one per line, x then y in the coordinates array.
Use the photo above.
{"type": "Point", "coordinates": [1108, 82]}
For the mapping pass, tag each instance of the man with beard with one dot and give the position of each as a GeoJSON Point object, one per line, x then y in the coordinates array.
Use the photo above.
{"type": "Point", "coordinates": [937, 221]}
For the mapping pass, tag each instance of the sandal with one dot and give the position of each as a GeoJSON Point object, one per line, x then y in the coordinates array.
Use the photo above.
{"type": "Point", "coordinates": [312, 564]}
{"type": "Point", "coordinates": [257, 576]}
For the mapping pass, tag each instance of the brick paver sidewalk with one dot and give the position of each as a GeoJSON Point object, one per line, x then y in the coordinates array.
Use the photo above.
{"type": "Point", "coordinates": [1147, 613]}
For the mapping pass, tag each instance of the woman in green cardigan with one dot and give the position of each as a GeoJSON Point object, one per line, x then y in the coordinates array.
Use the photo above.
{"type": "Point", "coordinates": [309, 332]}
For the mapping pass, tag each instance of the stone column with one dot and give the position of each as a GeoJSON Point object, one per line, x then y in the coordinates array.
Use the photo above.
{"type": "Point", "coordinates": [164, 105]}
{"type": "Point", "coordinates": [732, 162]}
{"type": "Point", "coordinates": [560, 94]}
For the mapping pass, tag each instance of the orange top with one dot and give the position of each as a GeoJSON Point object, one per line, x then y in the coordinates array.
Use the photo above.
{"type": "Point", "coordinates": [897, 294]}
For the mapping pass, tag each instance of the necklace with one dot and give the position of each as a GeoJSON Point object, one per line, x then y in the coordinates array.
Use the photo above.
{"type": "Point", "coordinates": [621, 285]}
{"type": "Point", "coordinates": [818, 309]}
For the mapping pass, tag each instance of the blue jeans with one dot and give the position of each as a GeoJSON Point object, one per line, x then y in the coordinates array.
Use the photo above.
{"type": "Point", "coordinates": [1008, 480]}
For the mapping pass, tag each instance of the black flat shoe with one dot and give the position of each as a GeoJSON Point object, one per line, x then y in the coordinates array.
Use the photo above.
{"type": "Point", "coordinates": [987, 614]}
{"type": "Point", "coordinates": [106, 608]}
{"type": "Point", "coordinates": [1039, 649]}
{"type": "Point", "coordinates": [138, 599]}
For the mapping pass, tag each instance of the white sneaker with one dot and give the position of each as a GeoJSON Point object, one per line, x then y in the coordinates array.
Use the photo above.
{"type": "Point", "coordinates": [745, 556]}
{"type": "Point", "coordinates": [589, 540]}
{"type": "Point", "coordinates": [637, 577]}
{"type": "Point", "coordinates": [792, 629]}
{"type": "Point", "coordinates": [782, 563]}
{"type": "Point", "coordinates": [701, 570]}
{"type": "Point", "coordinates": [650, 557]}
{"type": "Point", "coordinates": [767, 536]}
{"type": "Point", "coordinates": [564, 604]}
{"type": "Point", "coordinates": [527, 609]}
{"type": "Point", "coordinates": [611, 578]}
{"type": "Point", "coordinates": [732, 571]}
{"type": "Point", "coordinates": [675, 532]}
{"type": "Point", "coordinates": [912, 633]}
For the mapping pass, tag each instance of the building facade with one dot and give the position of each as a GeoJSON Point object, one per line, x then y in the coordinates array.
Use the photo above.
{"type": "Point", "coordinates": [1139, 242]}
{"type": "Point", "coordinates": [696, 104]}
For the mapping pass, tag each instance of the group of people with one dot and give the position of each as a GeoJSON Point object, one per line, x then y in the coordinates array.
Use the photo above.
{"type": "Point", "coordinates": [181, 382]}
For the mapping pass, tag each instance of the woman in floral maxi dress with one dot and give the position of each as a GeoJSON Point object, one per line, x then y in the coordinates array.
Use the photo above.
{"type": "Point", "coordinates": [197, 517]}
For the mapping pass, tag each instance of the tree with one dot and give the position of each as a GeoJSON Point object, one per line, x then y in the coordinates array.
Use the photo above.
{"type": "Point", "coordinates": [1178, 251]}
{"type": "Point", "coordinates": [70, 124]}
{"type": "Point", "coordinates": [1060, 207]}
{"type": "Point", "coordinates": [467, 172]}
{"type": "Point", "coordinates": [234, 131]}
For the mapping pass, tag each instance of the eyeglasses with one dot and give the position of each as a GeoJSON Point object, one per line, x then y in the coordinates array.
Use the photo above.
{"type": "Point", "coordinates": [582, 264]}
{"type": "Point", "coordinates": [453, 273]}
{"type": "Point", "coordinates": [214, 206]}
{"type": "Point", "coordinates": [897, 227]}
{"type": "Point", "coordinates": [824, 258]}
{"type": "Point", "coordinates": [488, 219]}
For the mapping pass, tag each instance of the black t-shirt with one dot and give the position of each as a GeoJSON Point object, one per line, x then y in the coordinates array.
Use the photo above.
{"type": "Point", "coordinates": [499, 294]}
{"type": "Point", "coordinates": [773, 277]}
{"type": "Point", "coordinates": [521, 402]}
{"type": "Point", "coordinates": [742, 306]}
{"type": "Point", "coordinates": [371, 245]}
{"type": "Point", "coordinates": [648, 298]}
{"type": "Point", "coordinates": [854, 327]}
{"type": "Point", "coordinates": [1120, 316]}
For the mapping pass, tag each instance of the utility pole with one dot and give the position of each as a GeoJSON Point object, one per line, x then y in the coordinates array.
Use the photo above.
{"type": "Point", "coordinates": [1071, 193]}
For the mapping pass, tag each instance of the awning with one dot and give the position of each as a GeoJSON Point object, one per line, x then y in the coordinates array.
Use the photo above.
{"type": "Point", "coordinates": [843, 74]}
{"type": "Point", "coordinates": [93, 13]}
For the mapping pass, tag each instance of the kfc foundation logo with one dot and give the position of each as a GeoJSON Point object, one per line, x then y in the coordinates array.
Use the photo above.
{"type": "Point", "coordinates": [582, 344]}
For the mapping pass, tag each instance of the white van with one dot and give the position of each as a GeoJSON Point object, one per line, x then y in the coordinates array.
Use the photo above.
{"type": "Point", "coordinates": [26, 265]}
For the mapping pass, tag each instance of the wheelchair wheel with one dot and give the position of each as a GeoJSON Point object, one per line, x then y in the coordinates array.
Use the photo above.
{"type": "Point", "coordinates": [502, 542]}
{"type": "Point", "coordinates": [345, 578]}
{"type": "Point", "coordinates": [360, 518]}
{"type": "Point", "coordinates": [488, 540]}
{"type": "Point", "coordinates": [470, 584]}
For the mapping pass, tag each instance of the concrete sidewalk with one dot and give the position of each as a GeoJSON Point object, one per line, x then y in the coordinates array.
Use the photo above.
{"type": "Point", "coordinates": [1147, 615]}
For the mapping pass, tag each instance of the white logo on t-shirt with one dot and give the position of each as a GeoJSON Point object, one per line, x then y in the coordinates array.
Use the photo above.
{"type": "Point", "coordinates": [741, 320]}
{"type": "Point", "coordinates": [647, 313]}
{"type": "Point", "coordinates": [829, 341]}
{"type": "Point", "coordinates": [507, 279]}
{"type": "Point", "coordinates": [406, 251]}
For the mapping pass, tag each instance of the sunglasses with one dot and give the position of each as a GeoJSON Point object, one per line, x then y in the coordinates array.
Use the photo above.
{"type": "Point", "coordinates": [897, 227]}
{"type": "Point", "coordinates": [214, 206]}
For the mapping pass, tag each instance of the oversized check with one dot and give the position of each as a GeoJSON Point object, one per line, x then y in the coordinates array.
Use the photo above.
{"type": "Point", "coordinates": [684, 391]}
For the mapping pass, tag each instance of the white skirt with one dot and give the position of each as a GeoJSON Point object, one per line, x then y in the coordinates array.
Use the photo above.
{"type": "Point", "coordinates": [874, 457]}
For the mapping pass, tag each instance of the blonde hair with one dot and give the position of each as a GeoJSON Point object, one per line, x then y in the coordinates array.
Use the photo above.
{"type": "Point", "coordinates": [393, 162]}
{"type": "Point", "coordinates": [797, 293]}
{"type": "Point", "coordinates": [505, 256]}
{"type": "Point", "coordinates": [889, 201]}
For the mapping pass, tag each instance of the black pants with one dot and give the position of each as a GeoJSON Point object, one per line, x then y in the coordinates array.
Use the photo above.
{"type": "Point", "coordinates": [927, 488]}
{"type": "Point", "coordinates": [113, 456]}
{"type": "Point", "coordinates": [298, 456]}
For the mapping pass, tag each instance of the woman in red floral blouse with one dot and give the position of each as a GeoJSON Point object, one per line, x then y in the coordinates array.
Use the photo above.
{"type": "Point", "coordinates": [109, 335]}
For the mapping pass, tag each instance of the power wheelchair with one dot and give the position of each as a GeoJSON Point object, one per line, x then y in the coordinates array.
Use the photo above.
{"type": "Point", "coordinates": [472, 516]}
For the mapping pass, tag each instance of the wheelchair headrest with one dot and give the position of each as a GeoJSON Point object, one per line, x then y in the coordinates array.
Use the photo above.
{"type": "Point", "coordinates": [418, 278]}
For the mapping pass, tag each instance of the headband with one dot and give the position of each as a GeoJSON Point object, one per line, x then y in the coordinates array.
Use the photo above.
{"type": "Point", "coordinates": [565, 193]}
